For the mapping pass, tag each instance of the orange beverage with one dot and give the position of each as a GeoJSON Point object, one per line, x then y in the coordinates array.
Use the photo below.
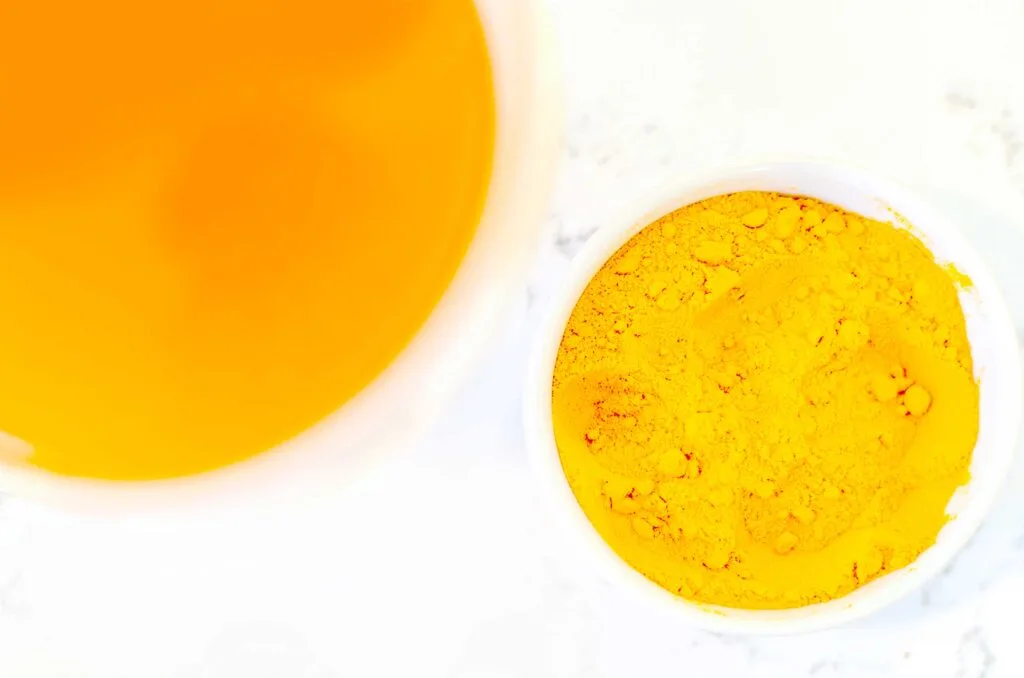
{"type": "Point", "coordinates": [219, 221]}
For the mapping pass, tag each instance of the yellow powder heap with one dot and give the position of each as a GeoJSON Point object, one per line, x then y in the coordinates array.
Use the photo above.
{"type": "Point", "coordinates": [764, 401]}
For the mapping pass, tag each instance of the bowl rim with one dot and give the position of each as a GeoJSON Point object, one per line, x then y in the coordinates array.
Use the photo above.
{"type": "Point", "coordinates": [403, 398]}
{"type": "Point", "coordinates": [582, 546]}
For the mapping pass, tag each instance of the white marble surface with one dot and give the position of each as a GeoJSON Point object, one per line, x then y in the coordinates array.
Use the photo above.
{"type": "Point", "coordinates": [436, 564]}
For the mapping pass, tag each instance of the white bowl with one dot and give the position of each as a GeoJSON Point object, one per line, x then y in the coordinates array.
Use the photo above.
{"type": "Point", "coordinates": [389, 414]}
{"type": "Point", "coordinates": [996, 364]}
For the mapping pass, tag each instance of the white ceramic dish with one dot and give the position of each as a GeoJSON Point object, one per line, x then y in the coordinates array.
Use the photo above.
{"type": "Point", "coordinates": [996, 361]}
{"type": "Point", "coordinates": [391, 411]}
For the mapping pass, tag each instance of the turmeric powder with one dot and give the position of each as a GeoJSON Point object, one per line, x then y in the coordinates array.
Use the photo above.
{"type": "Point", "coordinates": [765, 401]}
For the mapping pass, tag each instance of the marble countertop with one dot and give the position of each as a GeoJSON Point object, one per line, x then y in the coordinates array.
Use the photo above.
{"type": "Point", "coordinates": [434, 564]}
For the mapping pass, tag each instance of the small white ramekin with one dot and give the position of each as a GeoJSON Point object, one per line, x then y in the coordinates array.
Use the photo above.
{"type": "Point", "coordinates": [996, 364]}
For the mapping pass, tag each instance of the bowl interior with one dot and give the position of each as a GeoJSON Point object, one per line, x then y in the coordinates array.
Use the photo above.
{"type": "Point", "coordinates": [996, 365]}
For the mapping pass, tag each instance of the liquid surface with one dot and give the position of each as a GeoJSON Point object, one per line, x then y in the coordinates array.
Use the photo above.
{"type": "Point", "coordinates": [219, 221]}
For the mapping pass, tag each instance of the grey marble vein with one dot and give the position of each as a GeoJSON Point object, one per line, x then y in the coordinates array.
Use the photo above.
{"type": "Point", "coordinates": [974, 657]}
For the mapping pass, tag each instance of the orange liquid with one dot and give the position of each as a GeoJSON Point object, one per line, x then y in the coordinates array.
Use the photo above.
{"type": "Point", "coordinates": [220, 220]}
